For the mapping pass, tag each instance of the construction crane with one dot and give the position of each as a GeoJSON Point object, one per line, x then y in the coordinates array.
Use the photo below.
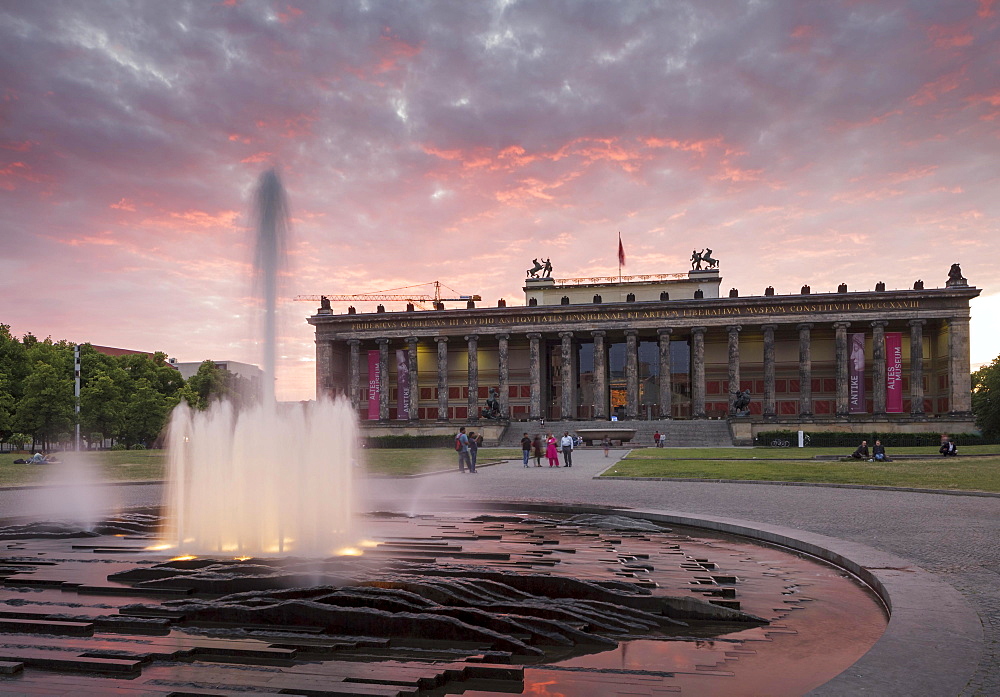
{"type": "Point", "coordinates": [416, 298]}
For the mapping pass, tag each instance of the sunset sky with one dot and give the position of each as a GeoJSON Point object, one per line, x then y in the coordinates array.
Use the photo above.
{"type": "Point", "coordinates": [804, 142]}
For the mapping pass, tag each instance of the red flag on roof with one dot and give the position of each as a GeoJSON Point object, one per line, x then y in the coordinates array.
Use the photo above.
{"type": "Point", "coordinates": [621, 251]}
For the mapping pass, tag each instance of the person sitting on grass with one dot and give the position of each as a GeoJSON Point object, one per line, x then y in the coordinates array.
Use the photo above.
{"type": "Point", "coordinates": [878, 452]}
{"type": "Point", "coordinates": [948, 448]}
{"type": "Point", "coordinates": [862, 452]}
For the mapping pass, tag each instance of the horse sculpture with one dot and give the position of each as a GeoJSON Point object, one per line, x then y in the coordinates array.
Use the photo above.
{"type": "Point", "coordinates": [492, 408]}
{"type": "Point", "coordinates": [706, 258]}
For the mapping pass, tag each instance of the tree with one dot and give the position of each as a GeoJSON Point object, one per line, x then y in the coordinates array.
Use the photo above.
{"type": "Point", "coordinates": [986, 398]}
{"type": "Point", "coordinates": [46, 409]}
{"type": "Point", "coordinates": [145, 414]}
{"type": "Point", "coordinates": [101, 406]}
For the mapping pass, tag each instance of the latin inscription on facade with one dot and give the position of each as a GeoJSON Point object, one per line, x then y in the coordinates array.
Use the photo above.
{"type": "Point", "coordinates": [626, 315]}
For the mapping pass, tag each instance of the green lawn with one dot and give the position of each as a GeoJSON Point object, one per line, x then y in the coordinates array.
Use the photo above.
{"type": "Point", "coordinates": [974, 473]}
{"type": "Point", "coordinates": [767, 453]}
{"type": "Point", "coordinates": [140, 465]}
{"type": "Point", "coordinates": [397, 461]}
{"type": "Point", "coordinates": [115, 465]}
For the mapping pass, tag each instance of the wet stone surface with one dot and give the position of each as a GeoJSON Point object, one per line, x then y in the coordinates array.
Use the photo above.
{"type": "Point", "coordinates": [450, 604]}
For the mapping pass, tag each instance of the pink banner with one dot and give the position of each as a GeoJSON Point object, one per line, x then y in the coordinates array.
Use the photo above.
{"type": "Point", "coordinates": [402, 383]}
{"type": "Point", "coordinates": [893, 372]}
{"type": "Point", "coordinates": [373, 385]}
{"type": "Point", "coordinates": [856, 373]}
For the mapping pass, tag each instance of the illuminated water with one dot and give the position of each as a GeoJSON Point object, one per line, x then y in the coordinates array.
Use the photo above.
{"type": "Point", "coordinates": [268, 479]}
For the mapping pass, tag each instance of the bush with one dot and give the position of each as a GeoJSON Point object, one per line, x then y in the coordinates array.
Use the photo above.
{"type": "Point", "coordinates": [830, 439]}
{"type": "Point", "coordinates": [119, 446]}
{"type": "Point", "coordinates": [138, 446]}
{"type": "Point", "coordinates": [409, 442]}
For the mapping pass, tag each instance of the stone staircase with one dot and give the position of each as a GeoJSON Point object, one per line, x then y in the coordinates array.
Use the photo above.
{"type": "Point", "coordinates": [687, 434]}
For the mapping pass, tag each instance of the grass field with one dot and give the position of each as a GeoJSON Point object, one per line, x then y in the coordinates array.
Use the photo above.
{"type": "Point", "coordinates": [767, 464]}
{"type": "Point", "coordinates": [140, 465]}
{"type": "Point", "coordinates": [114, 465]}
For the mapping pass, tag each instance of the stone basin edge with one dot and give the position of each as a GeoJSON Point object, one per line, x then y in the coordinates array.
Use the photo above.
{"type": "Point", "coordinates": [932, 644]}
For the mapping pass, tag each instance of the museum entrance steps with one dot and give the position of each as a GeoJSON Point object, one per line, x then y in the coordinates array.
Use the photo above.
{"type": "Point", "coordinates": [701, 433]}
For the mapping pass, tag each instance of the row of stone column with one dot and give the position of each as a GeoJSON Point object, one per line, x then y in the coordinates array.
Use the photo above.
{"type": "Point", "coordinates": [958, 362]}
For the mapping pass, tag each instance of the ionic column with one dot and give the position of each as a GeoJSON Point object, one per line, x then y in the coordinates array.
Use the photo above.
{"type": "Point", "coordinates": [324, 377]}
{"type": "Point", "coordinates": [534, 377]}
{"type": "Point", "coordinates": [959, 368]}
{"type": "Point", "coordinates": [805, 369]}
{"type": "Point", "coordinates": [473, 342]}
{"type": "Point", "coordinates": [698, 372]}
{"type": "Point", "coordinates": [631, 373]}
{"type": "Point", "coordinates": [354, 373]}
{"type": "Point", "coordinates": [411, 364]}
{"type": "Point", "coordinates": [442, 368]}
{"type": "Point", "coordinates": [567, 407]}
{"type": "Point", "coordinates": [767, 407]}
{"type": "Point", "coordinates": [843, 388]}
{"type": "Point", "coordinates": [734, 364]}
{"type": "Point", "coordinates": [666, 393]}
{"type": "Point", "coordinates": [917, 366]}
{"type": "Point", "coordinates": [383, 379]}
{"type": "Point", "coordinates": [503, 368]}
{"type": "Point", "coordinates": [600, 376]}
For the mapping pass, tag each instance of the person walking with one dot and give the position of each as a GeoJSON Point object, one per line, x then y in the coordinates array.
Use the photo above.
{"type": "Point", "coordinates": [537, 445]}
{"type": "Point", "coordinates": [462, 446]}
{"type": "Point", "coordinates": [551, 452]}
{"type": "Point", "coordinates": [656, 439]}
{"type": "Point", "coordinates": [525, 448]}
{"type": "Point", "coordinates": [473, 451]}
{"type": "Point", "coordinates": [567, 448]}
{"type": "Point", "coordinates": [606, 444]}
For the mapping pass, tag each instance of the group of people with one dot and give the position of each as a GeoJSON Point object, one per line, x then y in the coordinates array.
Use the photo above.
{"type": "Point", "coordinates": [659, 439]}
{"type": "Point", "coordinates": [552, 447]}
{"type": "Point", "coordinates": [947, 449]}
{"type": "Point", "coordinates": [467, 445]}
{"type": "Point", "coordinates": [877, 454]}
{"type": "Point", "coordinates": [38, 459]}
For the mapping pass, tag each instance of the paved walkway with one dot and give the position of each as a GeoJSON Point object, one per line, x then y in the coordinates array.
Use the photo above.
{"type": "Point", "coordinates": [955, 538]}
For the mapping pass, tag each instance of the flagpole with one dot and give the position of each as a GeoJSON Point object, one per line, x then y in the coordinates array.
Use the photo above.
{"type": "Point", "coordinates": [619, 257]}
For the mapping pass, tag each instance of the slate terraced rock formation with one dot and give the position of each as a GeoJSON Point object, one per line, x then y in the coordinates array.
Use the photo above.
{"type": "Point", "coordinates": [446, 604]}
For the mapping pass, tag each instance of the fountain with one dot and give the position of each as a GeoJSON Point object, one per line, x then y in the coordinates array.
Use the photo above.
{"type": "Point", "coordinates": [262, 480]}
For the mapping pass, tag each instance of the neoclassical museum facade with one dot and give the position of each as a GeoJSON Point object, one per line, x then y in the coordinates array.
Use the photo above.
{"type": "Point", "coordinates": [662, 347]}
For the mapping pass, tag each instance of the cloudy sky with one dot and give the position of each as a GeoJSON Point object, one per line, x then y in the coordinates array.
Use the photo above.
{"type": "Point", "coordinates": [804, 142]}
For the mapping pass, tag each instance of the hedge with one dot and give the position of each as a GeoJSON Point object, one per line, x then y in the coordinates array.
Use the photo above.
{"type": "Point", "coordinates": [831, 439]}
{"type": "Point", "coordinates": [409, 442]}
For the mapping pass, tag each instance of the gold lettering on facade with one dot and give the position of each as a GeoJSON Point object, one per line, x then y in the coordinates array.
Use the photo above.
{"type": "Point", "coordinates": [625, 315]}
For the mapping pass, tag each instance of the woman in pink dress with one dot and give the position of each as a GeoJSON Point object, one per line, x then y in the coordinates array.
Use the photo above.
{"type": "Point", "coordinates": [551, 452]}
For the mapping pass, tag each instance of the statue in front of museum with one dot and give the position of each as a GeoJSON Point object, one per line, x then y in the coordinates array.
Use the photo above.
{"type": "Point", "coordinates": [741, 403]}
{"type": "Point", "coordinates": [492, 408]}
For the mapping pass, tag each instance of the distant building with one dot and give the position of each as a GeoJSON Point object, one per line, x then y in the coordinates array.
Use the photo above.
{"type": "Point", "coordinates": [243, 370]}
{"type": "Point", "coordinates": [115, 352]}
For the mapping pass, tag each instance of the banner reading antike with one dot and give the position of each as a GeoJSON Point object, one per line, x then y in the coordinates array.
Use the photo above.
{"type": "Point", "coordinates": [856, 369]}
{"type": "Point", "coordinates": [402, 383]}
{"type": "Point", "coordinates": [894, 372]}
{"type": "Point", "coordinates": [373, 385]}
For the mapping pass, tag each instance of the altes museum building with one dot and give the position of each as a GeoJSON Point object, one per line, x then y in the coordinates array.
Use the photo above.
{"type": "Point", "coordinates": [662, 347]}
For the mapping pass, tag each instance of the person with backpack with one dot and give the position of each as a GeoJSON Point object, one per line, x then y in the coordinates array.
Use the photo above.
{"type": "Point", "coordinates": [462, 446]}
